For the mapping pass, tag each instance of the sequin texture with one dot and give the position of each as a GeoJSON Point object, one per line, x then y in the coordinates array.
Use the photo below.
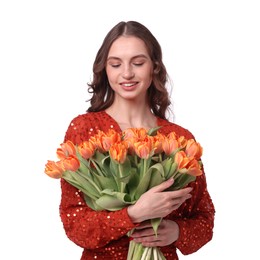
{"type": "Point", "coordinates": [102, 234]}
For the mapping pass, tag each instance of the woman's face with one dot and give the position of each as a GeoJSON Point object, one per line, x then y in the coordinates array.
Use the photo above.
{"type": "Point", "coordinates": [129, 68]}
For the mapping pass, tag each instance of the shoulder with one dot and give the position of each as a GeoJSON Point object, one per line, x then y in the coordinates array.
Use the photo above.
{"type": "Point", "coordinates": [167, 127]}
{"type": "Point", "coordinates": [83, 126]}
{"type": "Point", "coordinates": [86, 119]}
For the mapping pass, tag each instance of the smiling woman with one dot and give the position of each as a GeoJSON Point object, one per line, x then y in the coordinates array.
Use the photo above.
{"type": "Point", "coordinates": [129, 71]}
{"type": "Point", "coordinates": [129, 91]}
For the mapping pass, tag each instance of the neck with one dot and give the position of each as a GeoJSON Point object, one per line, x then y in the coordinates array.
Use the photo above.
{"type": "Point", "coordinates": [130, 114]}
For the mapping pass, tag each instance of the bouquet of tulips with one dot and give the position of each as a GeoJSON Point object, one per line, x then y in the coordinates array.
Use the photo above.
{"type": "Point", "coordinates": [114, 169]}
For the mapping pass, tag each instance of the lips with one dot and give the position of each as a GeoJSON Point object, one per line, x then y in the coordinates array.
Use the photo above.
{"type": "Point", "coordinates": [128, 84]}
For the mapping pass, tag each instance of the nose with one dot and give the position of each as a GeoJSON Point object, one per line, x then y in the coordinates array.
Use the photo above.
{"type": "Point", "coordinates": [128, 72]}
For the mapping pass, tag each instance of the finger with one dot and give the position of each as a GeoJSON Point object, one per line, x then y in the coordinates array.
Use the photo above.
{"type": "Point", "coordinates": [146, 224]}
{"type": "Point", "coordinates": [163, 186]}
{"type": "Point", "coordinates": [146, 238]}
{"type": "Point", "coordinates": [180, 193]}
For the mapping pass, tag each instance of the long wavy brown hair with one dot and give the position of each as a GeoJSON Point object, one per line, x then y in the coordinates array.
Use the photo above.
{"type": "Point", "coordinates": [102, 93]}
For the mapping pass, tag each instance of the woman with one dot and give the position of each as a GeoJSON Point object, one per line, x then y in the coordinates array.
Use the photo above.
{"type": "Point", "coordinates": [129, 90]}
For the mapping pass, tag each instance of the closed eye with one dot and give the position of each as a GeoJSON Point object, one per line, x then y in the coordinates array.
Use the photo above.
{"type": "Point", "coordinates": [138, 64]}
{"type": "Point", "coordinates": [115, 65]}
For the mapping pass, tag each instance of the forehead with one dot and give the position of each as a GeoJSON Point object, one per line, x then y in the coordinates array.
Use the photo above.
{"type": "Point", "coordinates": [128, 46]}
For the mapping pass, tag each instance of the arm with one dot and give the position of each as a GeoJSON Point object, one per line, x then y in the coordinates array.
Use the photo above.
{"type": "Point", "coordinates": [189, 225]}
{"type": "Point", "coordinates": [84, 226]}
{"type": "Point", "coordinates": [195, 219]}
{"type": "Point", "coordinates": [88, 228]}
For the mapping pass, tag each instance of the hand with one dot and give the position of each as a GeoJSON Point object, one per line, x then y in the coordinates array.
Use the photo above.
{"type": "Point", "coordinates": [167, 233]}
{"type": "Point", "coordinates": [157, 203]}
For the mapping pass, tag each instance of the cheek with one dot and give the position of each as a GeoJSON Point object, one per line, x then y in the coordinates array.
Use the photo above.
{"type": "Point", "coordinates": [112, 74]}
{"type": "Point", "coordinates": [148, 75]}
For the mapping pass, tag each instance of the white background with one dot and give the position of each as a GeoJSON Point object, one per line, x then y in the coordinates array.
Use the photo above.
{"type": "Point", "coordinates": [211, 50]}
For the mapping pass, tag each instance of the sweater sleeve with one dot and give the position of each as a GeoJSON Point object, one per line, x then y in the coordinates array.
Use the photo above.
{"type": "Point", "coordinates": [84, 226]}
{"type": "Point", "coordinates": [195, 219]}
{"type": "Point", "coordinates": [88, 228]}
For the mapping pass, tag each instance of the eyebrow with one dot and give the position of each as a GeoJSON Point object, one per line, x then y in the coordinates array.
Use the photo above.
{"type": "Point", "coordinates": [134, 57]}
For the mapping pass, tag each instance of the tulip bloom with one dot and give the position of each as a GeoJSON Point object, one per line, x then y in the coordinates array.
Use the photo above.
{"type": "Point", "coordinates": [144, 149]}
{"type": "Point", "coordinates": [71, 163]}
{"type": "Point", "coordinates": [137, 133]}
{"type": "Point", "coordinates": [109, 139]}
{"type": "Point", "coordinates": [86, 149]}
{"type": "Point", "coordinates": [193, 149]}
{"type": "Point", "coordinates": [194, 168]}
{"type": "Point", "coordinates": [182, 141]}
{"type": "Point", "coordinates": [181, 159]}
{"type": "Point", "coordinates": [66, 149]}
{"type": "Point", "coordinates": [170, 145]}
{"type": "Point", "coordinates": [118, 152]}
{"type": "Point", "coordinates": [54, 169]}
{"type": "Point", "coordinates": [190, 164]}
{"type": "Point", "coordinates": [157, 143]}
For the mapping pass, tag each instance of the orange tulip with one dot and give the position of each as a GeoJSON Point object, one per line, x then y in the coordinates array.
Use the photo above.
{"type": "Point", "coordinates": [182, 141]}
{"type": "Point", "coordinates": [109, 139]}
{"type": "Point", "coordinates": [103, 141]}
{"type": "Point", "coordinates": [66, 149]}
{"type": "Point", "coordinates": [138, 133]}
{"type": "Point", "coordinates": [71, 163]}
{"type": "Point", "coordinates": [172, 135]}
{"type": "Point", "coordinates": [144, 149]}
{"type": "Point", "coordinates": [193, 149]}
{"type": "Point", "coordinates": [169, 145]}
{"type": "Point", "coordinates": [157, 143]}
{"type": "Point", "coordinates": [181, 159]}
{"type": "Point", "coordinates": [118, 152]}
{"type": "Point", "coordinates": [54, 169]}
{"type": "Point", "coordinates": [189, 163]}
{"type": "Point", "coordinates": [96, 140]}
{"type": "Point", "coordinates": [86, 149]}
{"type": "Point", "coordinates": [129, 142]}
{"type": "Point", "coordinates": [194, 168]}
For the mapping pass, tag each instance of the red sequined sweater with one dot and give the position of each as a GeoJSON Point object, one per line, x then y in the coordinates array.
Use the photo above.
{"type": "Point", "coordinates": [102, 234]}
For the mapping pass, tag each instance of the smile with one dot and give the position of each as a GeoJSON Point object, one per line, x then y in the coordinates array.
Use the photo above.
{"type": "Point", "coordinates": [129, 84]}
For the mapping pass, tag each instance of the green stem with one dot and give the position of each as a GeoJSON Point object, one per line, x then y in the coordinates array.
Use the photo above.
{"type": "Point", "coordinates": [122, 184]}
{"type": "Point", "coordinates": [136, 160]}
{"type": "Point", "coordinates": [97, 168]}
{"type": "Point", "coordinates": [145, 164]}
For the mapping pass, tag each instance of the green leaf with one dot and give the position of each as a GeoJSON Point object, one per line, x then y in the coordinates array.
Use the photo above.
{"type": "Point", "coordinates": [113, 167]}
{"type": "Point", "coordinates": [101, 162]}
{"type": "Point", "coordinates": [92, 203]}
{"type": "Point", "coordinates": [182, 181]}
{"type": "Point", "coordinates": [105, 166]}
{"type": "Point", "coordinates": [155, 224]}
{"type": "Point", "coordinates": [124, 179]}
{"type": "Point", "coordinates": [111, 200]}
{"type": "Point", "coordinates": [153, 131]}
{"type": "Point", "coordinates": [156, 178]}
{"type": "Point", "coordinates": [106, 182]}
{"type": "Point", "coordinates": [170, 168]}
{"type": "Point", "coordinates": [143, 184]}
{"type": "Point", "coordinates": [133, 182]}
{"type": "Point", "coordinates": [119, 195]}
{"type": "Point", "coordinates": [81, 183]}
